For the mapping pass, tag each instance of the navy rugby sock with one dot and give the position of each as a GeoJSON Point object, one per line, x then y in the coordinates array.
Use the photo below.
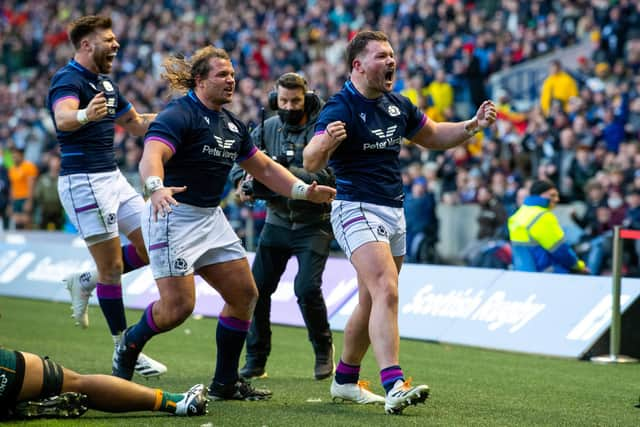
{"type": "Point", "coordinates": [389, 376]}
{"type": "Point", "coordinates": [230, 337]}
{"type": "Point", "coordinates": [347, 374]}
{"type": "Point", "coordinates": [130, 259]}
{"type": "Point", "coordinates": [142, 331]}
{"type": "Point", "coordinates": [110, 299]}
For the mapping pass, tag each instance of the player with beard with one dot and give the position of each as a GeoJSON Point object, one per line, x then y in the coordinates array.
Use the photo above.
{"type": "Point", "coordinates": [189, 151]}
{"type": "Point", "coordinates": [359, 133]}
{"type": "Point", "coordinates": [85, 106]}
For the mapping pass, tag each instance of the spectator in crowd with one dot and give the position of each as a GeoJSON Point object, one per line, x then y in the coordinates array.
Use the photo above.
{"type": "Point", "coordinates": [46, 199]}
{"type": "Point", "coordinates": [422, 222]}
{"type": "Point", "coordinates": [22, 177]}
{"type": "Point", "coordinates": [537, 239]}
{"type": "Point", "coordinates": [558, 88]}
{"type": "Point", "coordinates": [35, 387]}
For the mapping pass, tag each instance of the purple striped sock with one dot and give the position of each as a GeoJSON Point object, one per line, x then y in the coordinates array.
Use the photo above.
{"type": "Point", "coordinates": [106, 291]}
{"type": "Point", "coordinates": [149, 318]}
{"type": "Point", "coordinates": [110, 300]}
{"type": "Point", "coordinates": [234, 323]}
{"type": "Point", "coordinates": [131, 259]}
{"type": "Point", "coordinates": [389, 376]}
{"type": "Point", "coordinates": [347, 374]}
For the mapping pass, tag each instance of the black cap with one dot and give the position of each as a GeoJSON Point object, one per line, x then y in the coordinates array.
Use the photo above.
{"type": "Point", "coordinates": [541, 186]}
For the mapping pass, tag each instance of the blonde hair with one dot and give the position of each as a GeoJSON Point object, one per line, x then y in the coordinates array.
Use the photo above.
{"type": "Point", "coordinates": [181, 73]}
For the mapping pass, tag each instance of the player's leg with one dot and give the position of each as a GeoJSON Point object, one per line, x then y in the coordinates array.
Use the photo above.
{"type": "Point", "coordinates": [311, 246]}
{"type": "Point", "coordinates": [50, 390]}
{"type": "Point", "coordinates": [269, 263]}
{"type": "Point", "coordinates": [91, 202]}
{"type": "Point", "coordinates": [233, 280]}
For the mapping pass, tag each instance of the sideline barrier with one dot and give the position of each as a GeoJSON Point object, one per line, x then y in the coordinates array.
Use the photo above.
{"type": "Point", "coordinates": [614, 355]}
{"type": "Point", "coordinates": [559, 315]}
{"type": "Point", "coordinates": [32, 265]}
{"type": "Point", "coordinates": [540, 313]}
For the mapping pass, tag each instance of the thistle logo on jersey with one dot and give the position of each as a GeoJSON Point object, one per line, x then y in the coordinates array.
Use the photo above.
{"type": "Point", "coordinates": [393, 111]}
{"type": "Point", "coordinates": [233, 127]}
{"type": "Point", "coordinates": [386, 137]}
{"type": "Point", "coordinates": [110, 93]}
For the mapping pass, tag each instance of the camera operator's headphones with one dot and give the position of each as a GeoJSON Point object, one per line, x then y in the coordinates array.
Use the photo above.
{"type": "Point", "coordinates": [292, 81]}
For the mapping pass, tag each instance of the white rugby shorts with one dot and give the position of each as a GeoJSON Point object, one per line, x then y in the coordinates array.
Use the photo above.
{"type": "Point", "coordinates": [357, 223]}
{"type": "Point", "coordinates": [188, 238]}
{"type": "Point", "coordinates": [100, 203]}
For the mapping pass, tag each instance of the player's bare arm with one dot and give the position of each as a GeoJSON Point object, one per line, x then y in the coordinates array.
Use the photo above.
{"type": "Point", "coordinates": [318, 151]}
{"type": "Point", "coordinates": [136, 123]}
{"type": "Point", "coordinates": [69, 116]}
{"type": "Point", "coordinates": [156, 154]}
{"type": "Point", "coordinates": [441, 136]}
{"type": "Point", "coordinates": [280, 180]}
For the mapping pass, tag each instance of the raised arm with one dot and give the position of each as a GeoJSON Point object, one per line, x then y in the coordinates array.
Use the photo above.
{"type": "Point", "coordinates": [441, 136]}
{"type": "Point", "coordinates": [318, 151]}
{"type": "Point", "coordinates": [70, 117]}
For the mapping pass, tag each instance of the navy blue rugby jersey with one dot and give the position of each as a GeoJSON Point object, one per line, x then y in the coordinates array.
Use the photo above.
{"type": "Point", "coordinates": [88, 149]}
{"type": "Point", "coordinates": [366, 163]}
{"type": "Point", "coordinates": [205, 144]}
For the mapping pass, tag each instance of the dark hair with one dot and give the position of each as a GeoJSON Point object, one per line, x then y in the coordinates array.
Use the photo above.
{"type": "Point", "coordinates": [181, 73]}
{"type": "Point", "coordinates": [292, 81]}
{"type": "Point", "coordinates": [359, 43]}
{"type": "Point", "coordinates": [85, 25]}
{"type": "Point", "coordinates": [541, 186]}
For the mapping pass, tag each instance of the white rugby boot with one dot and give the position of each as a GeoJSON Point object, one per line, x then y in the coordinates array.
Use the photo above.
{"type": "Point", "coordinates": [404, 394]}
{"type": "Point", "coordinates": [80, 287]}
{"type": "Point", "coordinates": [355, 392]}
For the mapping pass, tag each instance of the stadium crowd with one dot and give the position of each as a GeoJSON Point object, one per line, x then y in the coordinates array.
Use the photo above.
{"type": "Point", "coordinates": [584, 140]}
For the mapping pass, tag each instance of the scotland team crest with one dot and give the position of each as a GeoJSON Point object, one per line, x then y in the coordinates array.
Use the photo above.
{"type": "Point", "coordinates": [393, 111]}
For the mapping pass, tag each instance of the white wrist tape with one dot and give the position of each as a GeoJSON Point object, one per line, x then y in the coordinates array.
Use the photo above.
{"type": "Point", "coordinates": [152, 184]}
{"type": "Point", "coordinates": [299, 191]}
{"type": "Point", "coordinates": [81, 116]}
{"type": "Point", "coordinates": [471, 130]}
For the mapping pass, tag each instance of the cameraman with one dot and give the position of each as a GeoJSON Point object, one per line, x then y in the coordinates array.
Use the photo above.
{"type": "Point", "coordinates": [292, 227]}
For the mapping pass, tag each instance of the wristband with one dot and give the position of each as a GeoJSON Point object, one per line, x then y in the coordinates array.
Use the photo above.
{"type": "Point", "coordinates": [299, 190]}
{"type": "Point", "coordinates": [471, 131]}
{"type": "Point", "coordinates": [81, 116]}
{"type": "Point", "coordinates": [152, 184]}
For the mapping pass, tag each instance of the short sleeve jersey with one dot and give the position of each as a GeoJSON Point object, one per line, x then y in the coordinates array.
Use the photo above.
{"type": "Point", "coordinates": [205, 144]}
{"type": "Point", "coordinates": [366, 163]}
{"type": "Point", "coordinates": [88, 149]}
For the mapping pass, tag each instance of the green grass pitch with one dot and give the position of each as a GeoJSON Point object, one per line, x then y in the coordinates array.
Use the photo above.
{"type": "Point", "coordinates": [470, 387]}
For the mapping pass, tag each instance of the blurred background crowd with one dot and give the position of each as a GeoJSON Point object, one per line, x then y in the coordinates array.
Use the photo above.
{"type": "Point", "coordinates": [580, 130]}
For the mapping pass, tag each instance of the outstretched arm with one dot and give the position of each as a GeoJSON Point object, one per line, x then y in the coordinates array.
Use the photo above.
{"type": "Point", "coordinates": [441, 136]}
{"type": "Point", "coordinates": [280, 180]}
{"type": "Point", "coordinates": [134, 122]}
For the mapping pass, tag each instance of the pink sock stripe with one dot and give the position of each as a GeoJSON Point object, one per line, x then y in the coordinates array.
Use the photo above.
{"type": "Point", "coordinates": [132, 256]}
{"type": "Point", "coordinates": [234, 323]}
{"type": "Point", "coordinates": [149, 318]}
{"type": "Point", "coordinates": [345, 368]}
{"type": "Point", "coordinates": [107, 291]}
{"type": "Point", "coordinates": [390, 374]}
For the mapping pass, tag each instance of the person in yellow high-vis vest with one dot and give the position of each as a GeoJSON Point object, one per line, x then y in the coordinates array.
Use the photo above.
{"type": "Point", "coordinates": [537, 239]}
